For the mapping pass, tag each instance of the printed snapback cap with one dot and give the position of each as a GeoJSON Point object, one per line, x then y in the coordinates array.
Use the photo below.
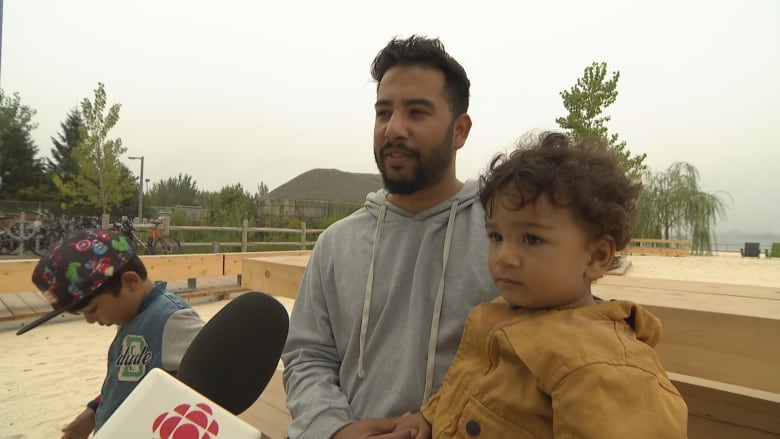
{"type": "Point", "coordinates": [70, 272]}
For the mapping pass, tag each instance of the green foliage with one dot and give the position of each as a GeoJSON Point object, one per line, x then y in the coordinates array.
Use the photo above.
{"type": "Point", "coordinates": [672, 205]}
{"type": "Point", "coordinates": [173, 191]}
{"type": "Point", "coordinates": [330, 219]}
{"type": "Point", "coordinates": [230, 206]}
{"type": "Point", "coordinates": [586, 101]}
{"type": "Point", "coordinates": [102, 181]}
{"type": "Point", "coordinates": [64, 165]}
{"type": "Point", "coordinates": [262, 189]}
{"type": "Point", "coordinates": [22, 175]}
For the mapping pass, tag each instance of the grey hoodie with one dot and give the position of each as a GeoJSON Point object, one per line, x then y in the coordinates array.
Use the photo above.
{"type": "Point", "coordinates": [375, 324]}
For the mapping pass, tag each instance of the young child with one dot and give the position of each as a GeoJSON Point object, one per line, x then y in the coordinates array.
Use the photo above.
{"type": "Point", "coordinates": [548, 359]}
{"type": "Point", "coordinates": [98, 274]}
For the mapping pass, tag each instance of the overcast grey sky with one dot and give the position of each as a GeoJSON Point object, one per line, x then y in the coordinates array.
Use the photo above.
{"type": "Point", "coordinates": [246, 91]}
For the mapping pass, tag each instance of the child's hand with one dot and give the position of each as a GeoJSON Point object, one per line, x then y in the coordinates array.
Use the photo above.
{"type": "Point", "coordinates": [416, 423]}
{"type": "Point", "coordinates": [81, 427]}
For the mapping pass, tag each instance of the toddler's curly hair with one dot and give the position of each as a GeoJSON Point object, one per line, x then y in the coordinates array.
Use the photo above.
{"type": "Point", "coordinates": [583, 177]}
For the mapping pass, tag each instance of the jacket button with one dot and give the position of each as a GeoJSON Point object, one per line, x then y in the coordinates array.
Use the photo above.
{"type": "Point", "coordinates": [472, 428]}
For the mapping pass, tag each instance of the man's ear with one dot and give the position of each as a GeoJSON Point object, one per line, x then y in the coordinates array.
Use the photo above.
{"type": "Point", "coordinates": [461, 129]}
{"type": "Point", "coordinates": [602, 251]}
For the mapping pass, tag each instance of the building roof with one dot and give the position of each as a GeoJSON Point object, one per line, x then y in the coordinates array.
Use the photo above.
{"type": "Point", "coordinates": [329, 185]}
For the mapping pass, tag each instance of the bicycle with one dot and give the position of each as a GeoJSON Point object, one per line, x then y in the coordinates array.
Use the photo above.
{"type": "Point", "coordinates": [166, 244]}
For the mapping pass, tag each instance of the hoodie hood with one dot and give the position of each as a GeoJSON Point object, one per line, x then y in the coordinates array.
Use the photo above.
{"type": "Point", "coordinates": [464, 199]}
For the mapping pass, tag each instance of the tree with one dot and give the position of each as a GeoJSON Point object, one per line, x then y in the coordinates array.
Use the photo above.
{"type": "Point", "coordinates": [230, 206]}
{"type": "Point", "coordinates": [586, 102]}
{"type": "Point", "coordinates": [101, 180]}
{"type": "Point", "coordinates": [262, 190]}
{"type": "Point", "coordinates": [173, 191]}
{"type": "Point", "coordinates": [672, 205]}
{"type": "Point", "coordinates": [22, 175]}
{"type": "Point", "coordinates": [64, 165]}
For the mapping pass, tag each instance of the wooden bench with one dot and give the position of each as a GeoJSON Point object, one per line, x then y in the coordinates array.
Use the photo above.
{"type": "Point", "coordinates": [662, 247]}
{"type": "Point", "coordinates": [720, 348]}
{"type": "Point", "coordinates": [719, 344]}
{"type": "Point", "coordinates": [20, 299]}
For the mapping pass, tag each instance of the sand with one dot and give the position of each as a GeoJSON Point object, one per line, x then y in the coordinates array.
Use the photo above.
{"type": "Point", "coordinates": [48, 375]}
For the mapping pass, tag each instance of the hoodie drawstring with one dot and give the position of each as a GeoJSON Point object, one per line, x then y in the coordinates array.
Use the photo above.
{"type": "Point", "coordinates": [431, 360]}
{"type": "Point", "coordinates": [369, 289]}
{"type": "Point", "coordinates": [437, 305]}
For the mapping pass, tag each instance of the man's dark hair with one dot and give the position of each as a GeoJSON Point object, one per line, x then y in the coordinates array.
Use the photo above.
{"type": "Point", "coordinates": [583, 177]}
{"type": "Point", "coordinates": [426, 52]}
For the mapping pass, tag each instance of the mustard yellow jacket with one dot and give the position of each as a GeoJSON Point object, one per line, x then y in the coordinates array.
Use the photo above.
{"type": "Point", "coordinates": [588, 372]}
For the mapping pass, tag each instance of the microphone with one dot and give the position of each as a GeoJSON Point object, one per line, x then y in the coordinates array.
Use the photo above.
{"type": "Point", "coordinates": [223, 372]}
{"type": "Point", "coordinates": [235, 355]}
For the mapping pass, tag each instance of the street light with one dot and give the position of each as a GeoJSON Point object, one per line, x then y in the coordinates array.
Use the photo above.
{"type": "Point", "coordinates": [140, 188]}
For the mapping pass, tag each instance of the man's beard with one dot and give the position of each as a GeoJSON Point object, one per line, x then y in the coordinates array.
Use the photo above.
{"type": "Point", "coordinates": [429, 171]}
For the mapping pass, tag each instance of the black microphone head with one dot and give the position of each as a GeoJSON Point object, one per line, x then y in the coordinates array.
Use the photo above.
{"type": "Point", "coordinates": [234, 356]}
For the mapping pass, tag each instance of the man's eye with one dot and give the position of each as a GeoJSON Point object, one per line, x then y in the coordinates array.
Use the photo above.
{"type": "Point", "coordinates": [382, 114]}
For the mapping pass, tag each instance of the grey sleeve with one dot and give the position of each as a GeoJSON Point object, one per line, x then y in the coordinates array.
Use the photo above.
{"type": "Point", "coordinates": [181, 327]}
{"type": "Point", "coordinates": [318, 406]}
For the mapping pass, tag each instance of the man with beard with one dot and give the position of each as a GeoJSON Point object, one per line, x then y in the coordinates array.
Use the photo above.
{"type": "Point", "coordinates": [382, 303]}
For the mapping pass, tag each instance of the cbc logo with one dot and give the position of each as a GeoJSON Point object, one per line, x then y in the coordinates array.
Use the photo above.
{"type": "Point", "coordinates": [186, 422]}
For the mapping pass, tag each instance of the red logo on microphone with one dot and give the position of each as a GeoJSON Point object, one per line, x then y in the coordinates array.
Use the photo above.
{"type": "Point", "coordinates": [186, 422]}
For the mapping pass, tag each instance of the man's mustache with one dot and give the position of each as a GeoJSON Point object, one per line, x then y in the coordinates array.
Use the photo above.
{"type": "Point", "coordinates": [398, 146]}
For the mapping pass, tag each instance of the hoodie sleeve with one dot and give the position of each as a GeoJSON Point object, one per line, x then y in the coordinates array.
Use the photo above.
{"type": "Point", "coordinates": [311, 364]}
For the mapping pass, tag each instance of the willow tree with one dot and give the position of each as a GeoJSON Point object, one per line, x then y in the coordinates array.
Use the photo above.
{"type": "Point", "coordinates": [672, 205]}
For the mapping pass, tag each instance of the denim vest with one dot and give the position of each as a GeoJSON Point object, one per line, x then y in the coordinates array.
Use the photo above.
{"type": "Point", "coordinates": [137, 349]}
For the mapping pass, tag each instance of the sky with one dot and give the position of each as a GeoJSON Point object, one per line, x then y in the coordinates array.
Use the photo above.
{"type": "Point", "coordinates": [246, 91]}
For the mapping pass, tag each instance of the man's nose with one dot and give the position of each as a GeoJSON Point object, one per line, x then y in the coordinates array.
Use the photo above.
{"type": "Point", "coordinates": [396, 127]}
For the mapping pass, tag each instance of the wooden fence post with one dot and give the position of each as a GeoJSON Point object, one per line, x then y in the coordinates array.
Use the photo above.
{"type": "Point", "coordinates": [244, 235]}
{"type": "Point", "coordinates": [104, 221]}
{"type": "Point", "coordinates": [166, 223]}
{"type": "Point", "coordinates": [303, 235]}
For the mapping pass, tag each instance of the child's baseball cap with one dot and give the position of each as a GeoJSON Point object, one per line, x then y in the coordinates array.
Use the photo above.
{"type": "Point", "coordinates": [70, 272]}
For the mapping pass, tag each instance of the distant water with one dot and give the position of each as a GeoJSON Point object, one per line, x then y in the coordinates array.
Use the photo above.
{"type": "Point", "coordinates": [732, 241]}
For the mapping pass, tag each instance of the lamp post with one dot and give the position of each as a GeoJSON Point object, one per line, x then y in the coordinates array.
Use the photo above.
{"type": "Point", "coordinates": [140, 188]}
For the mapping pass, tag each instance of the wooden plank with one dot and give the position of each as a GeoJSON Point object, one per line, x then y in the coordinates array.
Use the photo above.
{"type": "Point", "coordinates": [17, 307]}
{"type": "Point", "coordinates": [656, 251]}
{"type": "Point", "coordinates": [37, 301]}
{"type": "Point", "coordinates": [659, 241]}
{"type": "Point", "coordinates": [269, 413]}
{"type": "Point", "coordinates": [16, 275]}
{"type": "Point", "coordinates": [737, 290]}
{"type": "Point", "coordinates": [621, 269]}
{"type": "Point", "coordinates": [717, 337]}
{"type": "Point", "coordinates": [701, 427]}
{"type": "Point", "coordinates": [276, 275]}
{"type": "Point", "coordinates": [731, 349]}
{"type": "Point", "coordinates": [718, 410]}
{"type": "Point", "coordinates": [5, 313]}
{"type": "Point", "coordinates": [223, 292]}
{"type": "Point", "coordinates": [178, 267]}
{"type": "Point", "coordinates": [611, 287]}
{"type": "Point", "coordinates": [233, 261]}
